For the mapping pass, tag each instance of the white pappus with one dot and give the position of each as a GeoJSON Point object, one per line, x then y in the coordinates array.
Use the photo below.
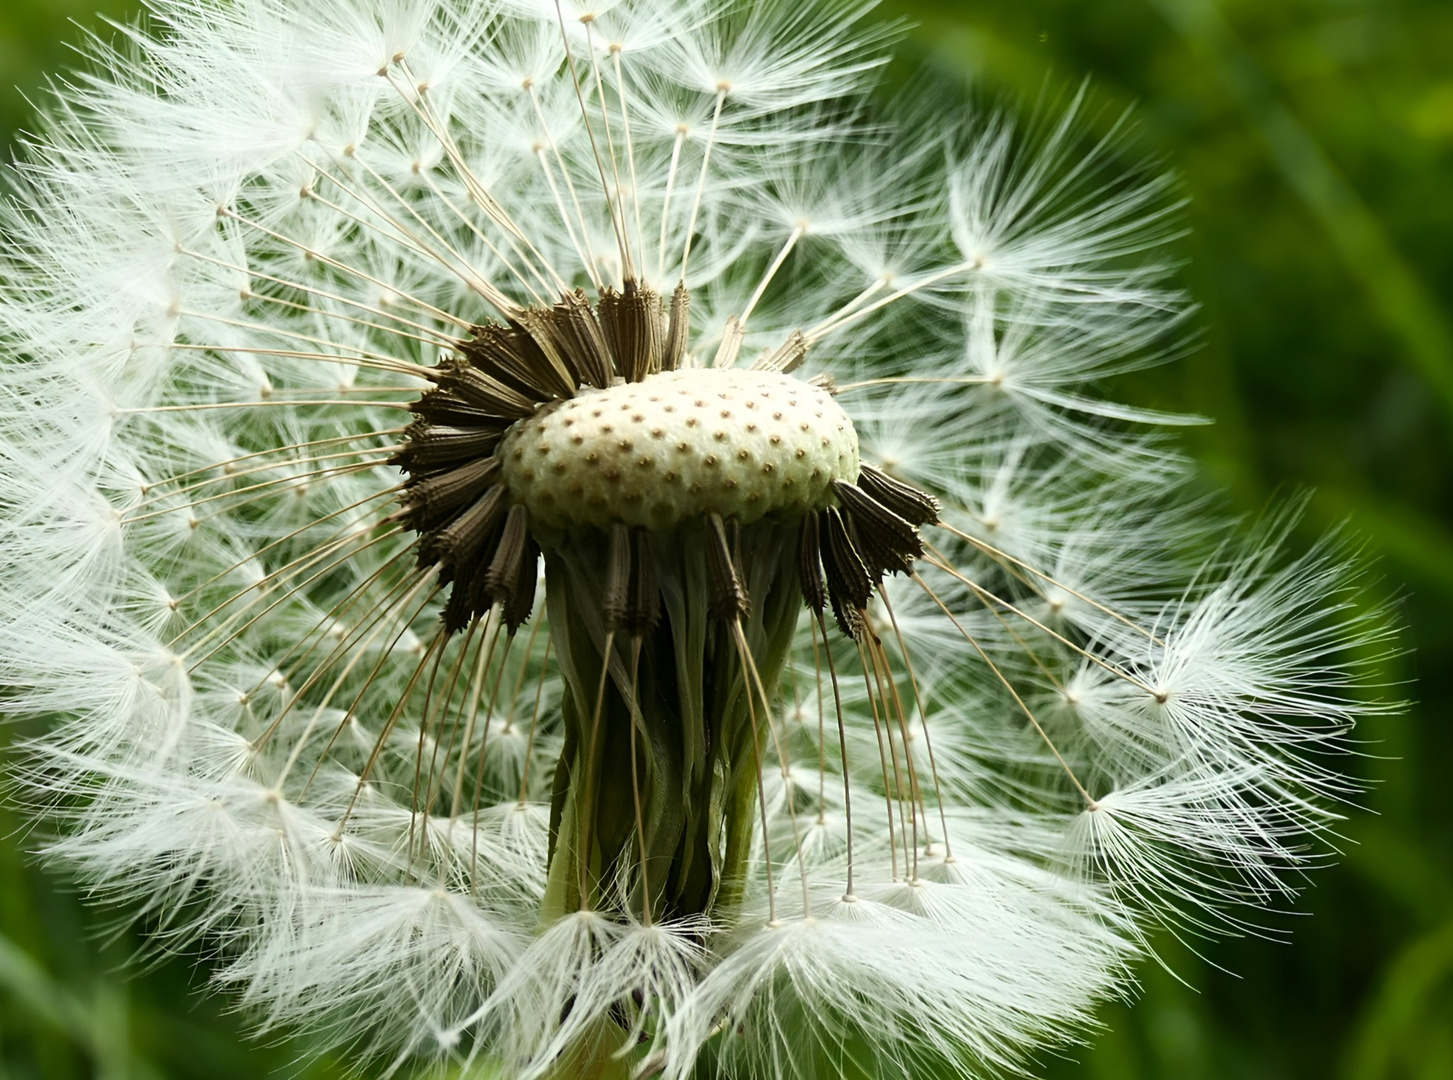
{"type": "Point", "coordinates": [568, 539]}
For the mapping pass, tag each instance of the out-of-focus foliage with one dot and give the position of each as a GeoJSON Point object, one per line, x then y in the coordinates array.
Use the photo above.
{"type": "Point", "coordinates": [1314, 139]}
{"type": "Point", "coordinates": [37, 39]}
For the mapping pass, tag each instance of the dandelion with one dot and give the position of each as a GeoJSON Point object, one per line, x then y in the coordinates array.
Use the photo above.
{"type": "Point", "coordinates": [565, 539]}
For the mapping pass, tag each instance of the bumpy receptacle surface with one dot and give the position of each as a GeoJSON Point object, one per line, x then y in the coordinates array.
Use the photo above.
{"type": "Point", "coordinates": [678, 445]}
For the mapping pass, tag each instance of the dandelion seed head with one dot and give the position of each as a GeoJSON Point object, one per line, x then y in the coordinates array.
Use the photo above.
{"type": "Point", "coordinates": [549, 533]}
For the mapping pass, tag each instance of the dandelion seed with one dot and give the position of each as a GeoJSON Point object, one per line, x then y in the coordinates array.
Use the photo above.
{"type": "Point", "coordinates": [561, 534]}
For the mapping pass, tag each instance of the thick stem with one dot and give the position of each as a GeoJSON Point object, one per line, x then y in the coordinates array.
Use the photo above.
{"type": "Point", "coordinates": [695, 771]}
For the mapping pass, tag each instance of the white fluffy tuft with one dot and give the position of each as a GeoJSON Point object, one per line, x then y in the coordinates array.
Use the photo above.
{"type": "Point", "coordinates": [232, 260]}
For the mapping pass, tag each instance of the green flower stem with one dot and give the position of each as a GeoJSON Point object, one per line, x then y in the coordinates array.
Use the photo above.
{"type": "Point", "coordinates": [696, 752]}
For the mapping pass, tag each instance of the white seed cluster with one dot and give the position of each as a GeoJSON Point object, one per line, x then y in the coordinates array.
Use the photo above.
{"type": "Point", "coordinates": [678, 445]}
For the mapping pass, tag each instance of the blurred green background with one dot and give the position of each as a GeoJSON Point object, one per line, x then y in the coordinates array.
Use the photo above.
{"type": "Point", "coordinates": [1315, 141]}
